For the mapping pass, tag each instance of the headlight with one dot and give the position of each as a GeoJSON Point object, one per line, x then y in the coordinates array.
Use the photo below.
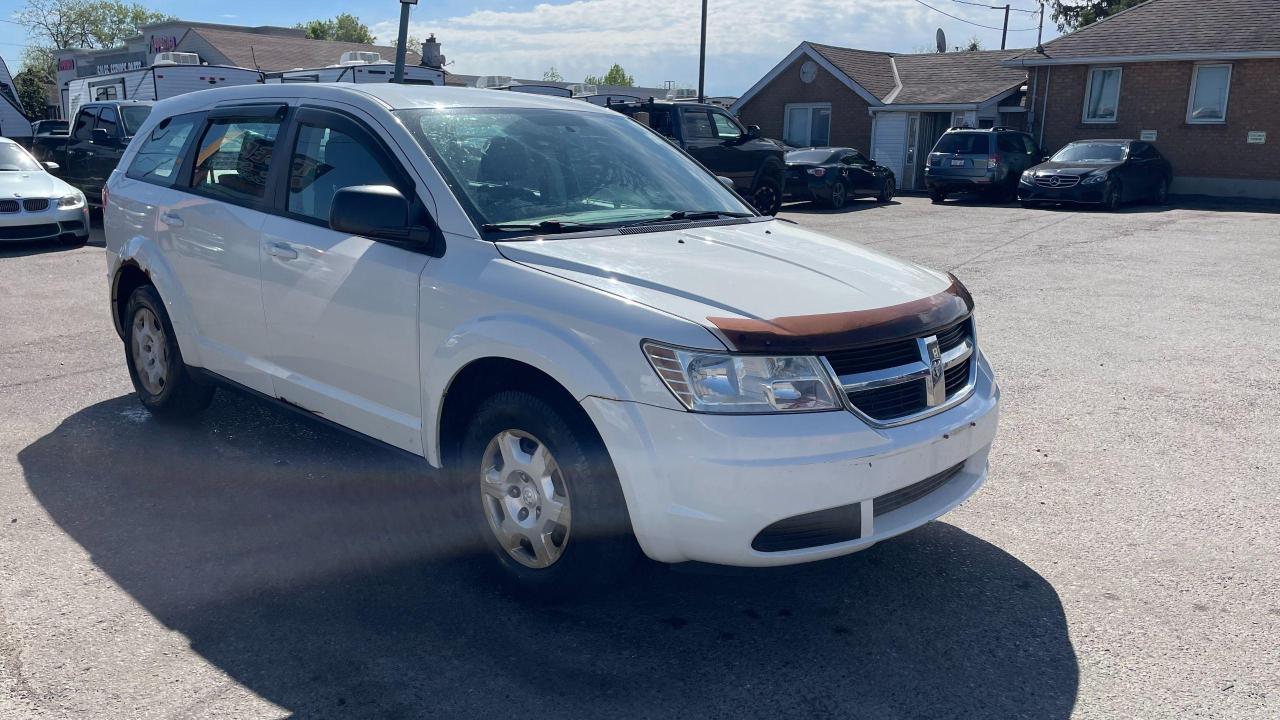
{"type": "Point", "coordinates": [722, 383]}
{"type": "Point", "coordinates": [69, 202]}
{"type": "Point", "coordinates": [1095, 177]}
{"type": "Point", "coordinates": [1027, 178]}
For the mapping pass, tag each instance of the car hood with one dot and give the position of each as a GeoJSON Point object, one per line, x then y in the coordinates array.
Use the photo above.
{"type": "Point", "coordinates": [34, 184]}
{"type": "Point", "coordinates": [1077, 169]}
{"type": "Point", "coordinates": [746, 275]}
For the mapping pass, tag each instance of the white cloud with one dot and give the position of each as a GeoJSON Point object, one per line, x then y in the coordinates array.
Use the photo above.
{"type": "Point", "coordinates": [657, 40]}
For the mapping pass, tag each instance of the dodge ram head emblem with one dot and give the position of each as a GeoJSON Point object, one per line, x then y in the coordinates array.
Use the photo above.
{"type": "Point", "coordinates": [935, 383]}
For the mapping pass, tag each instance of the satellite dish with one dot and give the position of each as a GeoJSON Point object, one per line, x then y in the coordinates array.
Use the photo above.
{"type": "Point", "coordinates": [942, 41]}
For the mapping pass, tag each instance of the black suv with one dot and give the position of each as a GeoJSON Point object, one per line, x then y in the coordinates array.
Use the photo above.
{"type": "Point", "coordinates": [989, 161]}
{"type": "Point", "coordinates": [756, 165]}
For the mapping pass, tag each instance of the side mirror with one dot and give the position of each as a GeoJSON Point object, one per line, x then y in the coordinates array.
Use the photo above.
{"type": "Point", "coordinates": [102, 137]}
{"type": "Point", "coordinates": [753, 131]}
{"type": "Point", "coordinates": [50, 166]}
{"type": "Point", "coordinates": [378, 211]}
{"type": "Point", "coordinates": [727, 182]}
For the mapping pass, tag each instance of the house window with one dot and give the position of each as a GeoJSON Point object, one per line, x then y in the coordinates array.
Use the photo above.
{"type": "Point", "coordinates": [1102, 95]}
{"type": "Point", "coordinates": [1210, 85]}
{"type": "Point", "coordinates": [807, 125]}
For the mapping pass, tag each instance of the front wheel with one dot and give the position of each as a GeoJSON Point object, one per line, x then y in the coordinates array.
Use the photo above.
{"type": "Point", "coordinates": [887, 190]}
{"type": "Point", "coordinates": [767, 197]}
{"type": "Point", "coordinates": [937, 197]}
{"type": "Point", "coordinates": [544, 497]}
{"type": "Point", "coordinates": [1162, 192]}
{"type": "Point", "coordinates": [160, 377]}
{"type": "Point", "coordinates": [1111, 199]}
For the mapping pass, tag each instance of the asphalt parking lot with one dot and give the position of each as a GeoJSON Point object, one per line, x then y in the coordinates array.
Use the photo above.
{"type": "Point", "coordinates": [1121, 562]}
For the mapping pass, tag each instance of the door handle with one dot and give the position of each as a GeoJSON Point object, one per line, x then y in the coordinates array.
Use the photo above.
{"type": "Point", "coordinates": [282, 251]}
{"type": "Point", "coordinates": [171, 220]}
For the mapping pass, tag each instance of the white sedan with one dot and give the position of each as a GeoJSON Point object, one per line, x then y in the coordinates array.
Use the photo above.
{"type": "Point", "coordinates": [35, 205]}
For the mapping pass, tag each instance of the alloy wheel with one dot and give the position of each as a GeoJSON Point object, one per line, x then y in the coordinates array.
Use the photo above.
{"type": "Point", "coordinates": [150, 351]}
{"type": "Point", "coordinates": [838, 195]}
{"type": "Point", "coordinates": [765, 199]}
{"type": "Point", "coordinates": [525, 498]}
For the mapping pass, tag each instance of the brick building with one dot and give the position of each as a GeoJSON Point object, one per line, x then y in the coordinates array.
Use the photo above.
{"type": "Point", "coordinates": [1202, 79]}
{"type": "Point", "coordinates": [893, 107]}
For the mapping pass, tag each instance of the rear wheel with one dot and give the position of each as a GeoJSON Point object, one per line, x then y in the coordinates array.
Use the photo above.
{"type": "Point", "coordinates": [767, 197]}
{"type": "Point", "coordinates": [544, 496]}
{"type": "Point", "coordinates": [839, 195]}
{"type": "Point", "coordinates": [163, 383]}
{"type": "Point", "coordinates": [887, 190]}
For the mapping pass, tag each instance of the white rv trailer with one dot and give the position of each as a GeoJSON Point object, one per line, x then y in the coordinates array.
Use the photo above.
{"type": "Point", "coordinates": [360, 67]}
{"type": "Point", "coordinates": [166, 78]}
{"type": "Point", "coordinates": [13, 122]}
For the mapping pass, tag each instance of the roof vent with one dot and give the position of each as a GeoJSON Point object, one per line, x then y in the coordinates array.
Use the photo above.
{"type": "Point", "coordinates": [682, 94]}
{"type": "Point", "coordinates": [492, 82]}
{"type": "Point", "coordinates": [176, 58]}
{"type": "Point", "coordinates": [359, 57]}
{"type": "Point", "coordinates": [580, 89]}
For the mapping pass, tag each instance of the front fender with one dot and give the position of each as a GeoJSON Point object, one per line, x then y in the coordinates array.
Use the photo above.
{"type": "Point", "coordinates": [142, 253]}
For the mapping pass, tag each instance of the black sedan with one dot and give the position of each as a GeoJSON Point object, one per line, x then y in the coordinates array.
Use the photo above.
{"type": "Point", "coordinates": [832, 175]}
{"type": "Point", "coordinates": [1099, 172]}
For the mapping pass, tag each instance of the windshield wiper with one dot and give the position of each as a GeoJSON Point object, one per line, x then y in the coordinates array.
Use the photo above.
{"type": "Point", "coordinates": [545, 226]}
{"type": "Point", "coordinates": [689, 216]}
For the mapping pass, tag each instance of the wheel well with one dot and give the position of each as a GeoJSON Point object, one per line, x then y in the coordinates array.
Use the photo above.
{"type": "Point", "coordinates": [485, 377]}
{"type": "Point", "coordinates": [130, 277]}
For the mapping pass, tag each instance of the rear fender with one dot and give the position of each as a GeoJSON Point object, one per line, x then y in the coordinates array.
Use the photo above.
{"type": "Point", "coordinates": [142, 253]}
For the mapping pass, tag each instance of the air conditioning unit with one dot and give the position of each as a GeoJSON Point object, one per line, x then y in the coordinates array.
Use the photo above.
{"type": "Point", "coordinates": [581, 89]}
{"type": "Point", "coordinates": [682, 94]}
{"type": "Point", "coordinates": [176, 58]}
{"type": "Point", "coordinates": [493, 82]}
{"type": "Point", "coordinates": [359, 57]}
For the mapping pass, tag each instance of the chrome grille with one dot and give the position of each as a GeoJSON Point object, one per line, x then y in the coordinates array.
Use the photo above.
{"type": "Point", "coordinates": [899, 382]}
{"type": "Point", "coordinates": [1057, 181]}
{"type": "Point", "coordinates": [35, 204]}
{"type": "Point", "coordinates": [8, 206]}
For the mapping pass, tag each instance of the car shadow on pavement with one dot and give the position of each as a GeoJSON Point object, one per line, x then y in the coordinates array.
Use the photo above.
{"type": "Point", "coordinates": [326, 575]}
{"type": "Point", "coordinates": [854, 205]}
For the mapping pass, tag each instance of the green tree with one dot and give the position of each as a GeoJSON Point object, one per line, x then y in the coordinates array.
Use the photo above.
{"type": "Point", "coordinates": [615, 76]}
{"type": "Point", "coordinates": [975, 43]}
{"type": "Point", "coordinates": [552, 75]}
{"type": "Point", "coordinates": [62, 24]}
{"type": "Point", "coordinates": [343, 28]}
{"type": "Point", "coordinates": [33, 80]}
{"type": "Point", "coordinates": [1075, 14]}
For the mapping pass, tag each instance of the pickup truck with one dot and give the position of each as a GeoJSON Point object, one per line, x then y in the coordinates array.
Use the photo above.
{"type": "Point", "coordinates": [756, 165]}
{"type": "Point", "coordinates": [89, 152]}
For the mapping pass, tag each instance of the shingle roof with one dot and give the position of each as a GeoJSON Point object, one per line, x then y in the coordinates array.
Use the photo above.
{"type": "Point", "coordinates": [955, 77]}
{"type": "Point", "coordinates": [872, 70]}
{"type": "Point", "coordinates": [275, 52]}
{"type": "Point", "coordinates": [1172, 27]}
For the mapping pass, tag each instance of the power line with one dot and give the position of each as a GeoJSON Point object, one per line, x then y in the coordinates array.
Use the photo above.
{"type": "Point", "coordinates": [970, 22]}
{"type": "Point", "coordinates": [996, 7]}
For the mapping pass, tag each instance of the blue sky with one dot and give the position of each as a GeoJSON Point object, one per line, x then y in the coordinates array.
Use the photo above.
{"type": "Point", "coordinates": [655, 40]}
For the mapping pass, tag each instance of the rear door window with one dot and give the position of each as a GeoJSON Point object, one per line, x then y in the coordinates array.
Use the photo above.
{"type": "Point", "coordinates": [964, 143]}
{"type": "Point", "coordinates": [1009, 143]}
{"type": "Point", "coordinates": [234, 159]}
{"type": "Point", "coordinates": [160, 154]}
{"type": "Point", "coordinates": [697, 125]}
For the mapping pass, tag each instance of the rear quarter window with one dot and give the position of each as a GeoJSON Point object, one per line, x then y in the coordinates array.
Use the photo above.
{"type": "Point", "coordinates": [160, 153]}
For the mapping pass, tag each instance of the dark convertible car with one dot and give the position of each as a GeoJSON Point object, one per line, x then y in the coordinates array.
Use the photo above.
{"type": "Point", "coordinates": [832, 175]}
{"type": "Point", "coordinates": [1100, 172]}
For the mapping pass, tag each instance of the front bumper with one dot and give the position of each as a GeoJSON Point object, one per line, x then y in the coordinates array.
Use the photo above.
{"type": "Point", "coordinates": [49, 224]}
{"type": "Point", "coordinates": [1093, 193]}
{"type": "Point", "coordinates": [702, 487]}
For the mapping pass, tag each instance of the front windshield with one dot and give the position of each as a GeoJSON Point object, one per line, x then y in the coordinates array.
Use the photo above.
{"type": "Point", "coordinates": [811, 156]}
{"type": "Point", "coordinates": [134, 116]}
{"type": "Point", "coordinates": [1091, 153]}
{"type": "Point", "coordinates": [524, 166]}
{"type": "Point", "coordinates": [15, 159]}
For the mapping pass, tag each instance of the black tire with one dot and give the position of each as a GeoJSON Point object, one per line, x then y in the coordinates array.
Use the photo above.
{"type": "Point", "coordinates": [1112, 197]}
{"type": "Point", "coordinates": [1162, 192]}
{"type": "Point", "coordinates": [839, 195]}
{"type": "Point", "coordinates": [179, 394]}
{"type": "Point", "coordinates": [766, 198]}
{"type": "Point", "coordinates": [599, 547]}
{"type": "Point", "coordinates": [73, 241]}
{"type": "Point", "coordinates": [1029, 204]}
{"type": "Point", "coordinates": [937, 197]}
{"type": "Point", "coordinates": [887, 190]}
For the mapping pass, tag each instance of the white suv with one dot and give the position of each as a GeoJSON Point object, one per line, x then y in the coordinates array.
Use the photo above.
{"type": "Point", "coordinates": [608, 350]}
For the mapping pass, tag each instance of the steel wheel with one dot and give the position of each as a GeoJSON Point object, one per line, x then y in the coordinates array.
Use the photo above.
{"type": "Point", "coordinates": [525, 498]}
{"type": "Point", "coordinates": [150, 351]}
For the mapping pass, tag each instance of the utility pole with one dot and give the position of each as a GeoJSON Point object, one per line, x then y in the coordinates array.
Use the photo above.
{"type": "Point", "coordinates": [1040, 32]}
{"type": "Point", "coordinates": [702, 57]}
{"type": "Point", "coordinates": [404, 38]}
{"type": "Point", "coordinates": [1005, 34]}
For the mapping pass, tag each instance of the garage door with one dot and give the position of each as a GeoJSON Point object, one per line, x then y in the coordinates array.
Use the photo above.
{"type": "Point", "coordinates": [890, 141]}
